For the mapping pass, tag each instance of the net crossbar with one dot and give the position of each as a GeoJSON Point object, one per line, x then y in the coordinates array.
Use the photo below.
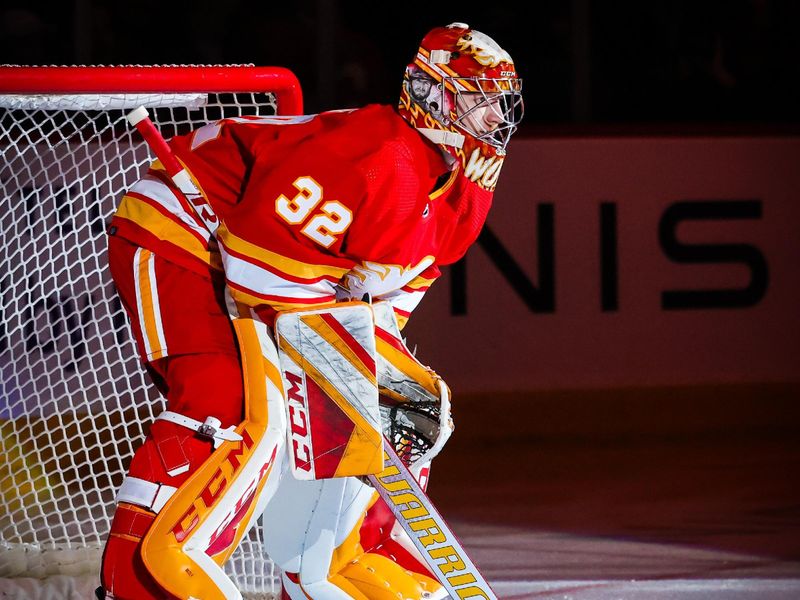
{"type": "Point", "coordinates": [75, 399]}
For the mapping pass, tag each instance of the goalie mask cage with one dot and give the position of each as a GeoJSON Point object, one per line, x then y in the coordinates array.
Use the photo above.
{"type": "Point", "coordinates": [75, 400]}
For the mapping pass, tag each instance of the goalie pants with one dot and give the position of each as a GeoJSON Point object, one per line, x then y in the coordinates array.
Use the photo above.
{"type": "Point", "coordinates": [183, 334]}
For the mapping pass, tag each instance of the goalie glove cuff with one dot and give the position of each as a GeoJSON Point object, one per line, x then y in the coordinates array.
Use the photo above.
{"type": "Point", "coordinates": [415, 401]}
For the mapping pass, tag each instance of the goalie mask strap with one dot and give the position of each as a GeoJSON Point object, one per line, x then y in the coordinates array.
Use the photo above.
{"type": "Point", "coordinates": [440, 136]}
{"type": "Point", "coordinates": [149, 495]}
{"type": "Point", "coordinates": [210, 428]}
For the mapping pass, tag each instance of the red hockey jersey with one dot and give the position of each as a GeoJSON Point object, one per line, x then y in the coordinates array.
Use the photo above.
{"type": "Point", "coordinates": [305, 203]}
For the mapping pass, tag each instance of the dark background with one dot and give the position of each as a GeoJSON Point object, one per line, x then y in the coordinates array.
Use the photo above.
{"type": "Point", "coordinates": [705, 467]}
{"type": "Point", "coordinates": [586, 64]}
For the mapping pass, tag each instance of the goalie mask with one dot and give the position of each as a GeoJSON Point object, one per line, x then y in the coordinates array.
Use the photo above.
{"type": "Point", "coordinates": [462, 92]}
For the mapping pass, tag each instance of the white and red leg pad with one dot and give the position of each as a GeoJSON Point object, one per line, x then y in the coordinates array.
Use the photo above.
{"type": "Point", "coordinates": [304, 522]}
{"type": "Point", "coordinates": [203, 522]}
{"type": "Point", "coordinates": [311, 531]}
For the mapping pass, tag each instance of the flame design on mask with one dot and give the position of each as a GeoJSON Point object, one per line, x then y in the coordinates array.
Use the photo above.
{"type": "Point", "coordinates": [483, 48]}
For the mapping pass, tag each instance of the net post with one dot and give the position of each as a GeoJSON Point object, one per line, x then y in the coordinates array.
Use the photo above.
{"type": "Point", "coordinates": [76, 396]}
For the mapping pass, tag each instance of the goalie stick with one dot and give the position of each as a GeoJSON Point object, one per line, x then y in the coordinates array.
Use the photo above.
{"type": "Point", "coordinates": [409, 503]}
{"type": "Point", "coordinates": [140, 119]}
{"type": "Point", "coordinates": [430, 533]}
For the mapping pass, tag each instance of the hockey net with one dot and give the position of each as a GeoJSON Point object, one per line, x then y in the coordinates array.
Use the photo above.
{"type": "Point", "coordinates": [75, 399]}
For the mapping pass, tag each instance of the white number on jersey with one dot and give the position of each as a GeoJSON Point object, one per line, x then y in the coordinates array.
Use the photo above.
{"type": "Point", "coordinates": [323, 225]}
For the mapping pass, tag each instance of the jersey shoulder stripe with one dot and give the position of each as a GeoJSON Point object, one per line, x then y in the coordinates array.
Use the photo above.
{"type": "Point", "coordinates": [153, 217]}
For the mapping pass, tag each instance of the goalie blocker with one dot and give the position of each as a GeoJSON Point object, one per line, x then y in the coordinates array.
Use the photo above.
{"type": "Point", "coordinates": [350, 382]}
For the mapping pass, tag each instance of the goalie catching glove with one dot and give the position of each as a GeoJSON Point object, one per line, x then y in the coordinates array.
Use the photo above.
{"type": "Point", "coordinates": [414, 400]}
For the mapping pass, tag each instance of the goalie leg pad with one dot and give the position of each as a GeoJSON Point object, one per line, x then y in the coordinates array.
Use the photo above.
{"type": "Point", "coordinates": [169, 455]}
{"type": "Point", "coordinates": [305, 521]}
{"type": "Point", "coordinates": [203, 522]}
{"type": "Point", "coordinates": [195, 502]}
{"type": "Point", "coordinates": [311, 531]}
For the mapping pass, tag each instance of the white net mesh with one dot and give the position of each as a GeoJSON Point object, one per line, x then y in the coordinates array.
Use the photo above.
{"type": "Point", "coordinates": [75, 400]}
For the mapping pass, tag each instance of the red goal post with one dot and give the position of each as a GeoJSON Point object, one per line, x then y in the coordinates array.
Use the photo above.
{"type": "Point", "coordinates": [75, 400]}
{"type": "Point", "coordinates": [280, 82]}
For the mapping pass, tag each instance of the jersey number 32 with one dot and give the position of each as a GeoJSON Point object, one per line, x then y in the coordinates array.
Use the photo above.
{"type": "Point", "coordinates": [322, 220]}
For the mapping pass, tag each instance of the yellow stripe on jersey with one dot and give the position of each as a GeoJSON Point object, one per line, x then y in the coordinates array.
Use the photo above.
{"type": "Point", "coordinates": [165, 229]}
{"type": "Point", "coordinates": [447, 185]}
{"type": "Point", "coordinates": [278, 305]}
{"type": "Point", "coordinates": [282, 263]}
{"type": "Point", "coordinates": [420, 282]}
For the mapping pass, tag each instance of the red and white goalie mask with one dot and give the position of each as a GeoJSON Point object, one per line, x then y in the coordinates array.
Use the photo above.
{"type": "Point", "coordinates": [462, 92]}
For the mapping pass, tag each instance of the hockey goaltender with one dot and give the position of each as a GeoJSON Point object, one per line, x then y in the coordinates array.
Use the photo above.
{"type": "Point", "coordinates": [267, 284]}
